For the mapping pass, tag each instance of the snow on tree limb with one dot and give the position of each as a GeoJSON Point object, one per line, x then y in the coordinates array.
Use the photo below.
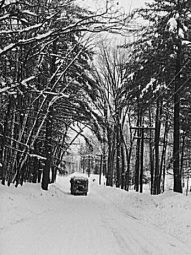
{"type": "Point", "coordinates": [4, 17]}
{"type": "Point", "coordinates": [7, 48]}
{"type": "Point", "coordinates": [13, 86]}
{"type": "Point", "coordinates": [36, 156]}
{"type": "Point", "coordinates": [94, 23]}
{"type": "Point", "coordinates": [24, 82]}
{"type": "Point", "coordinates": [19, 31]}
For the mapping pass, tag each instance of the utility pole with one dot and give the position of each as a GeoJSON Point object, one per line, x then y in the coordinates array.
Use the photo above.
{"type": "Point", "coordinates": [141, 136]}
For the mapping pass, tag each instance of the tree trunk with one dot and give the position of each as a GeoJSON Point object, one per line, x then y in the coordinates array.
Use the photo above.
{"type": "Point", "coordinates": [157, 143]}
{"type": "Point", "coordinates": [111, 140]}
{"type": "Point", "coordinates": [128, 156]}
{"type": "Point", "coordinates": [48, 151]}
{"type": "Point", "coordinates": [4, 134]}
{"type": "Point", "coordinates": [118, 145]}
{"type": "Point", "coordinates": [176, 144]}
{"type": "Point", "coordinates": [182, 158]}
{"type": "Point", "coordinates": [49, 122]}
{"type": "Point", "coordinates": [122, 167]}
{"type": "Point", "coordinates": [151, 153]}
{"type": "Point", "coordinates": [137, 164]}
{"type": "Point", "coordinates": [142, 156]}
{"type": "Point", "coordinates": [104, 153]}
{"type": "Point", "coordinates": [127, 173]}
{"type": "Point", "coordinates": [163, 156]}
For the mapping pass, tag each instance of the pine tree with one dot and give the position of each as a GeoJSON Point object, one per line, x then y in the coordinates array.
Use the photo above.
{"type": "Point", "coordinates": [161, 63]}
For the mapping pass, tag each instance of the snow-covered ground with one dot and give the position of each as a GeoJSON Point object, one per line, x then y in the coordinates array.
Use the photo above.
{"type": "Point", "coordinates": [108, 221]}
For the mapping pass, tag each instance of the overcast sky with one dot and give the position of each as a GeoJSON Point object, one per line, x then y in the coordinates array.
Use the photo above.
{"type": "Point", "coordinates": [130, 4]}
{"type": "Point", "coordinates": [126, 4]}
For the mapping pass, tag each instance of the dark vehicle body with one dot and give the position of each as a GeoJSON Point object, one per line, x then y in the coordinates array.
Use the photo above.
{"type": "Point", "coordinates": [79, 185]}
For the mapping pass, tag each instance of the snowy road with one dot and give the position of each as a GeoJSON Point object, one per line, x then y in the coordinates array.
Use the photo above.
{"type": "Point", "coordinates": [62, 224]}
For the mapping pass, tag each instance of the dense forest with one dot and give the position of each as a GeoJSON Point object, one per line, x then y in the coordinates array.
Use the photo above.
{"type": "Point", "coordinates": [135, 97]}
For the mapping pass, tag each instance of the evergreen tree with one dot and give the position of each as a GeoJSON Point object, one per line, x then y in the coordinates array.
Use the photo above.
{"type": "Point", "coordinates": [160, 62]}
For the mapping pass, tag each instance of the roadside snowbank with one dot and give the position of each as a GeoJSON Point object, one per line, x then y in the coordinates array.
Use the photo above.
{"type": "Point", "coordinates": [169, 211]}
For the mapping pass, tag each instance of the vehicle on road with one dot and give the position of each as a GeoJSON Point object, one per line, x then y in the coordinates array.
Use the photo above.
{"type": "Point", "coordinates": [79, 185]}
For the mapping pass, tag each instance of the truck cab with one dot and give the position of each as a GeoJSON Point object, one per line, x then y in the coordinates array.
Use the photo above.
{"type": "Point", "coordinates": [79, 185]}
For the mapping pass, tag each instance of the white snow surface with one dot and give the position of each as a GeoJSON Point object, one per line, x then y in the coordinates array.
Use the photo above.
{"type": "Point", "coordinates": [108, 221]}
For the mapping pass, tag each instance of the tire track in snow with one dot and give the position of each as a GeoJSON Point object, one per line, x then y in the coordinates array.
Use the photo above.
{"type": "Point", "coordinates": [136, 237]}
